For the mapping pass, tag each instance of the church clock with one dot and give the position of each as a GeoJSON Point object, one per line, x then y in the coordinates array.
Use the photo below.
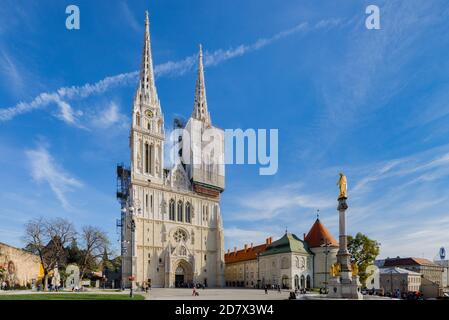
{"type": "Point", "coordinates": [149, 113]}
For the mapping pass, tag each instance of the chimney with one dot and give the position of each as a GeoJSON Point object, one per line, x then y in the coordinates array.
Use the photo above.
{"type": "Point", "coordinates": [235, 250]}
{"type": "Point", "coordinates": [271, 240]}
{"type": "Point", "coordinates": [304, 236]}
{"type": "Point", "coordinates": [251, 245]}
{"type": "Point", "coordinates": [267, 241]}
{"type": "Point", "coordinates": [246, 247]}
{"type": "Point", "coordinates": [229, 251]}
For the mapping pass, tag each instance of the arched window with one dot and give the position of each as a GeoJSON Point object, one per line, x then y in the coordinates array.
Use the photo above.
{"type": "Point", "coordinates": [138, 119]}
{"type": "Point", "coordinates": [308, 282]}
{"type": "Point", "coordinates": [296, 282]}
{"type": "Point", "coordinates": [188, 214]}
{"type": "Point", "coordinates": [171, 209]}
{"type": "Point", "coordinates": [205, 213]}
{"type": "Point", "coordinates": [151, 159]}
{"type": "Point", "coordinates": [215, 213]}
{"type": "Point", "coordinates": [146, 157]}
{"type": "Point", "coordinates": [180, 215]}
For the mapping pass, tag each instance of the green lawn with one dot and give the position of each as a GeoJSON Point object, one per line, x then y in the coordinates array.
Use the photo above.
{"type": "Point", "coordinates": [70, 296]}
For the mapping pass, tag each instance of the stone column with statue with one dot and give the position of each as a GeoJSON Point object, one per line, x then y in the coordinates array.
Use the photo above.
{"type": "Point", "coordinates": [345, 281]}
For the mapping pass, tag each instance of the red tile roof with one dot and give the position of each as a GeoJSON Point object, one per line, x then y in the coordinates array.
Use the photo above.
{"type": "Point", "coordinates": [408, 262]}
{"type": "Point", "coordinates": [250, 253]}
{"type": "Point", "coordinates": [319, 235]}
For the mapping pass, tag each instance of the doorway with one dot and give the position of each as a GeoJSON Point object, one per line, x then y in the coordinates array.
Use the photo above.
{"type": "Point", "coordinates": [179, 277]}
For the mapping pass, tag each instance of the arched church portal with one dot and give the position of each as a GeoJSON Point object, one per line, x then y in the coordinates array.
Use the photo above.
{"type": "Point", "coordinates": [183, 273]}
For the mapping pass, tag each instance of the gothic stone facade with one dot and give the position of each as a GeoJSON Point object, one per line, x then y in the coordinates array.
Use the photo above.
{"type": "Point", "coordinates": [178, 238]}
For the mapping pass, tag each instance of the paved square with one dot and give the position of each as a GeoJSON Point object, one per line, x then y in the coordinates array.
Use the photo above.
{"type": "Point", "coordinates": [215, 294]}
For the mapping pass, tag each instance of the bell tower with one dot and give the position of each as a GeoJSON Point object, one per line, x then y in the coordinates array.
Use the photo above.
{"type": "Point", "coordinates": [147, 130]}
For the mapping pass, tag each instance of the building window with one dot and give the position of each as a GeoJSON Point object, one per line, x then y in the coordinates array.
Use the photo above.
{"type": "Point", "coordinates": [138, 119]}
{"type": "Point", "coordinates": [151, 159]}
{"type": "Point", "coordinates": [180, 235]}
{"type": "Point", "coordinates": [188, 214]}
{"type": "Point", "coordinates": [180, 215]}
{"type": "Point", "coordinates": [205, 257]}
{"type": "Point", "coordinates": [171, 209]}
{"type": "Point", "coordinates": [146, 154]}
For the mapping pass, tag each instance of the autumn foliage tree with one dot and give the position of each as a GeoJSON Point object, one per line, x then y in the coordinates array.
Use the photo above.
{"type": "Point", "coordinates": [363, 252]}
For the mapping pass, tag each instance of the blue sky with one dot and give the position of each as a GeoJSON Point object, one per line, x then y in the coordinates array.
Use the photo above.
{"type": "Point", "coordinates": [371, 103]}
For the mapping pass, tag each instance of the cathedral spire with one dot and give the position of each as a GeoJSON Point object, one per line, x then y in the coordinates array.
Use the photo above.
{"type": "Point", "coordinates": [200, 110]}
{"type": "Point", "coordinates": [147, 88]}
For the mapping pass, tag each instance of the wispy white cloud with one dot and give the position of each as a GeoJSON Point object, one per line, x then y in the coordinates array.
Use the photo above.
{"type": "Point", "coordinates": [44, 168]}
{"type": "Point", "coordinates": [170, 68]}
{"type": "Point", "coordinates": [10, 71]}
{"type": "Point", "coordinates": [238, 237]}
{"type": "Point", "coordinates": [269, 203]}
{"type": "Point", "coordinates": [109, 116]}
{"type": "Point", "coordinates": [129, 17]}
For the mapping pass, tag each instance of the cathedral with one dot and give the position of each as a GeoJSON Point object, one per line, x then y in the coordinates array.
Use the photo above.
{"type": "Point", "coordinates": [171, 225]}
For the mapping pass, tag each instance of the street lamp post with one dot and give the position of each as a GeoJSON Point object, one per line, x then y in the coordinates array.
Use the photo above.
{"type": "Point", "coordinates": [133, 229]}
{"type": "Point", "coordinates": [129, 216]}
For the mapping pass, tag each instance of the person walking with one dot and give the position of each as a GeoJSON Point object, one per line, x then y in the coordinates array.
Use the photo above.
{"type": "Point", "coordinates": [266, 289]}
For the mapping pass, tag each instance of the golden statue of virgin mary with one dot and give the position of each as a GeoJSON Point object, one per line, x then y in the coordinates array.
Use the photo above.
{"type": "Point", "coordinates": [343, 186]}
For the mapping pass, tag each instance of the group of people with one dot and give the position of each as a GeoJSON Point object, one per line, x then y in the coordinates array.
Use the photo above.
{"type": "Point", "coordinates": [272, 287]}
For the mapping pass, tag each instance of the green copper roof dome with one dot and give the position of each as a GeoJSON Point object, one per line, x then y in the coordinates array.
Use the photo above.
{"type": "Point", "coordinates": [288, 243]}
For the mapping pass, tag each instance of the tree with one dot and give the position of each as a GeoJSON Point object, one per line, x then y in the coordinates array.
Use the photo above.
{"type": "Point", "coordinates": [94, 242]}
{"type": "Point", "coordinates": [48, 239]}
{"type": "Point", "coordinates": [73, 253]}
{"type": "Point", "coordinates": [363, 252]}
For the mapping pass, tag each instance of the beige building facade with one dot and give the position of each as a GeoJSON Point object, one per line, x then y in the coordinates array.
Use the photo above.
{"type": "Point", "coordinates": [432, 273]}
{"type": "Point", "coordinates": [395, 279]}
{"type": "Point", "coordinates": [20, 267]}
{"type": "Point", "coordinates": [289, 262]}
{"type": "Point", "coordinates": [172, 231]}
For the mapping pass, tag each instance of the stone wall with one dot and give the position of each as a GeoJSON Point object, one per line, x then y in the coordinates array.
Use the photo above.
{"type": "Point", "coordinates": [21, 267]}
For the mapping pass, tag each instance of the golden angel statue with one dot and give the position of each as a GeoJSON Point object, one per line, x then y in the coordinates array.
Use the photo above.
{"type": "Point", "coordinates": [335, 269]}
{"type": "Point", "coordinates": [343, 186]}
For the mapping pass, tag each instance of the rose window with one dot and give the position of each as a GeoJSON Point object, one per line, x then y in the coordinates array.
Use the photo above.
{"type": "Point", "coordinates": [180, 235]}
